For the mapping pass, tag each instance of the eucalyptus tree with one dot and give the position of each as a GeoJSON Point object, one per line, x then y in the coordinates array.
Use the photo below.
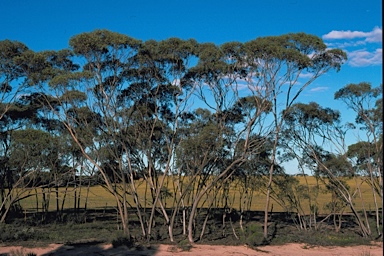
{"type": "Point", "coordinates": [13, 179]}
{"type": "Point", "coordinates": [41, 119]}
{"type": "Point", "coordinates": [11, 86]}
{"type": "Point", "coordinates": [317, 133]}
{"type": "Point", "coordinates": [88, 99]}
{"type": "Point", "coordinates": [250, 177]}
{"type": "Point", "coordinates": [38, 68]}
{"type": "Point", "coordinates": [303, 122]}
{"type": "Point", "coordinates": [155, 97]}
{"type": "Point", "coordinates": [14, 115]}
{"type": "Point", "coordinates": [367, 153]}
{"type": "Point", "coordinates": [278, 69]}
{"type": "Point", "coordinates": [233, 118]}
{"type": "Point", "coordinates": [121, 109]}
{"type": "Point", "coordinates": [25, 150]}
{"type": "Point", "coordinates": [158, 95]}
{"type": "Point", "coordinates": [11, 75]}
{"type": "Point", "coordinates": [199, 156]}
{"type": "Point", "coordinates": [34, 151]}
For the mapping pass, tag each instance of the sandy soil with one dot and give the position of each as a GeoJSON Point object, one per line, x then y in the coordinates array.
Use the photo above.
{"type": "Point", "coordinates": [200, 250]}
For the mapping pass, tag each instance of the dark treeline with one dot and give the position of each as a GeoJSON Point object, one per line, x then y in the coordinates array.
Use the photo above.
{"type": "Point", "coordinates": [112, 110]}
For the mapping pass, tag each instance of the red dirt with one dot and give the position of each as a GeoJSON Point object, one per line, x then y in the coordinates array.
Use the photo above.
{"type": "Point", "coordinates": [198, 249]}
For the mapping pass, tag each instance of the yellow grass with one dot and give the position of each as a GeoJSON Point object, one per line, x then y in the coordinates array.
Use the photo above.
{"type": "Point", "coordinates": [98, 197]}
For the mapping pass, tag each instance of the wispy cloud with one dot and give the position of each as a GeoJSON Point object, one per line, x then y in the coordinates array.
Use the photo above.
{"type": "Point", "coordinates": [319, 89]}
{"type": "Point", "coordinates": [305, 75]}
{"type": "Point", "coordinates": [363, 57]}
{"type": "Point", "coordinates": [349, 40]}
{"type": "Point", "coordinates": [374, 36]}
{"type": "Point", "coordinates": [344, 45]}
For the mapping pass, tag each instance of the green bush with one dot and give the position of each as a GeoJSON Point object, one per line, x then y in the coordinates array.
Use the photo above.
{"type": "Point", "coordinates": [11, 233]}
{"type": "Point", "coordinates": [184, 245]}
{"type": "Point", "coordinates": [123, 240]}
{"type": "Point", "coordinates": [253, 235]}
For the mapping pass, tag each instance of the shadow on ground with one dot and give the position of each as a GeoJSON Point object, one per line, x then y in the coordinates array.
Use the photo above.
{"type": "Point", "coordinates": [102, 249]}
{"type": "Point", "coordinates": [88, 248]}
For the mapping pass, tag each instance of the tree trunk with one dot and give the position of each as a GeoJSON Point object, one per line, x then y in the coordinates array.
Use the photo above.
{"type": "Point", "coordinates": [267, 200]}
{"type": "Point", "coordinates": [226, 173]}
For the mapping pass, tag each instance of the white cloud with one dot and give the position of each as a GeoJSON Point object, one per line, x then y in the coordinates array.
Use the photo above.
{"type": "Point", "coordinates": [306, 75]}
{"type": "Point", "coordinates": [373, 36]}
{"type": "Point", "coordinates": [319, 89]}
{"type": "Point", "coordinates": [337, 34]}
{"type": "Point", "coordinates": [344, 45]}
{"type": "Point", "coordinates": [361, 58]}
{"type": "Point", "coordinates": [351, 41]}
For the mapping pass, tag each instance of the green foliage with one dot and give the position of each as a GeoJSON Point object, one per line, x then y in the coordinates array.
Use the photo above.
{"type": "Point", "coordinates": [311, 115]}
{"type": "Point", "coordinates": [12, 233]}
{"type": "Point", "coordinates": [356, 91]}
{"type": "Point", "coordinates": [360, 98]}
{"type": "Point", "coordinates": [323, 237]}
{"type": "Point", "coordinates": [35, 66]}
{"type": "Point", "coordinates": [294, 49]}
{"type": "Point", "coordinates": [33, 149]}
{"type": "Point", "coordinates": [123, 241]}
{"type": "Point", "coordinates": [336, 165]}
{"type": "Point", "coordinates": [290, 194]}
{"type": "Point", "coordinates": [99, 42]}
{"type": "Point", "coordinates": [184, 245]}
{"type": "Point", "coordinates": [9, 71]}
{"type": "Point", "coordinates": [130, 110]}
{"type": "Point", "coordinates": [253, 235]}
{"type": "Point", "coordinates": [101, 231]}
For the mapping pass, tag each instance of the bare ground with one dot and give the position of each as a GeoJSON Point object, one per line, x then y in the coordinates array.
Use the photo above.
{"type": "Point", "coordinates": [375, 249]}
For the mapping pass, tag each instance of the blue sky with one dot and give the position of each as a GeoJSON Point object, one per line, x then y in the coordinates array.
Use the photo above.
{"type": "Point", "coordinates": [353, 25]}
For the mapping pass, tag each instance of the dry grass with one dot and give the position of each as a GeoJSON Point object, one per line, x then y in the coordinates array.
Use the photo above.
{"type": "Point", "coordinates": [98, 197]}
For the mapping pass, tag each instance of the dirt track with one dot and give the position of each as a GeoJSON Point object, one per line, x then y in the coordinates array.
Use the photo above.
{"type": "Point", "coordinates": [213, 250]}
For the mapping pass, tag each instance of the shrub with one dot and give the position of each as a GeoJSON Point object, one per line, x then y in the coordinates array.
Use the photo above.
{"type": "Point", "coordinates": [123, 240]}
{"type": "Point", "coordinates": [184, 245]}
{"type": "Point", "coordinates": [253, 235]}
{"type": "Point", "coordinates": [15, 233]}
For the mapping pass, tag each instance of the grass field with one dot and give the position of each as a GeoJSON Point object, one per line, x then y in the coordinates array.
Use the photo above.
{"type": "Point", "coordinates": [98, 197]}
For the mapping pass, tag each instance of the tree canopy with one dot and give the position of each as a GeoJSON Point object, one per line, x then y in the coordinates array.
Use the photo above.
{"type": "Point", "coordinates": [117, 109]}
